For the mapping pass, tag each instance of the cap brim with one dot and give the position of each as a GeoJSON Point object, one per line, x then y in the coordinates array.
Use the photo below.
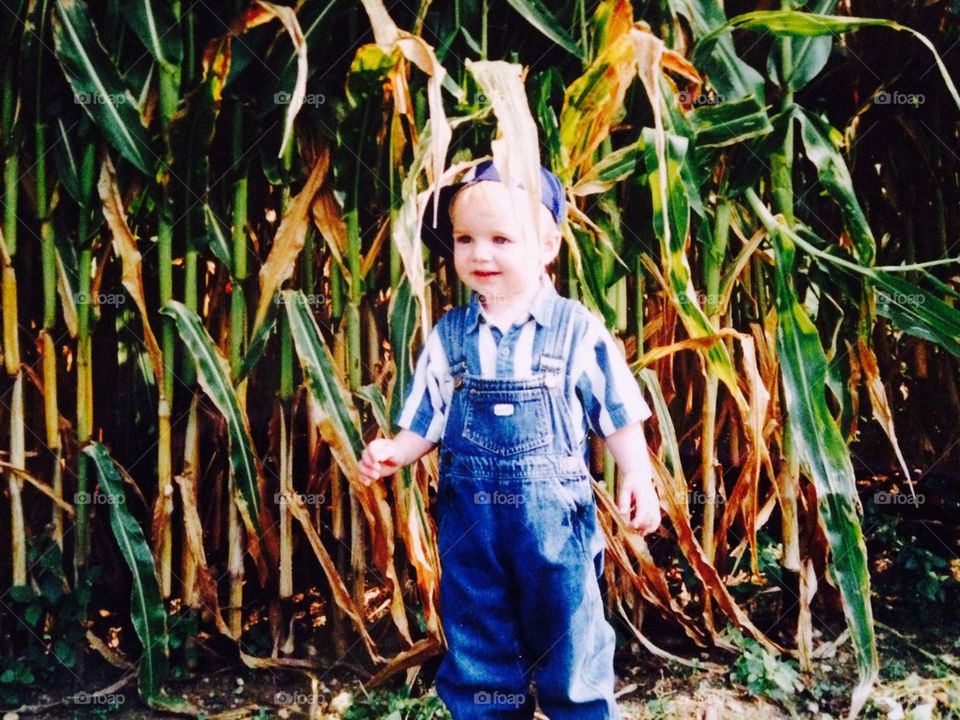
{"type": "Point", "coordinates": [439, 238]}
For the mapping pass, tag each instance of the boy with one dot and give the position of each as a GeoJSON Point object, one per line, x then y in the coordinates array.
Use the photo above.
{"type": "Point", "coordinates": [507, 386]}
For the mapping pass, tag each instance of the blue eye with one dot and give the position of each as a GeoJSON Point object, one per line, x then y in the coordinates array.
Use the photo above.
{"type": "Point", "coordinates": [500, 240]}
{"type": "Point", "coordinates": [462, 239]}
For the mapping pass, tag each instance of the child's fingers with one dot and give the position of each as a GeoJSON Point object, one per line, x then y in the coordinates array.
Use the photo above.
{"type": "Point", "coordinates": [638, 514]}
{"type": "Point", "coordinates": [369, 471]}
{"type": "Point", "coordinates": [380, 450]}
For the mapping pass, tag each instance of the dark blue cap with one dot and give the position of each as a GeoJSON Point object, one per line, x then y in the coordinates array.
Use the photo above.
{"type": "Point", "coordinates": [440, 238]}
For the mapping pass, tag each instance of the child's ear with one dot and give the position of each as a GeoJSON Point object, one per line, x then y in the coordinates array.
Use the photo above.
{"type": "Point", "coordinates": [550, 245]}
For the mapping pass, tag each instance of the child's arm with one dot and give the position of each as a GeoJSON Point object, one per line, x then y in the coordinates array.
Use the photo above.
{"type": "Point", "coordinates": [637, 499]}
{"type": "Point", "coordinates": [384, 456]}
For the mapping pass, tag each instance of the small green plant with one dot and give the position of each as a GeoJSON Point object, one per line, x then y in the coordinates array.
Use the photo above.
{"type": "Point", "coordinates": [51, 630]}
{"type": "Point", "coordinates": [661, 707]}
{"type": "Point", "coordinates": [929, 572]}
{"type": "Point", "coordinates": [894, 669]}
{"type": "Point", "coordinates": [183, 628]}
{"type": "Point", "coordinates": [397, 705]}
{"type": "Point", "coordinates": [762, 672]}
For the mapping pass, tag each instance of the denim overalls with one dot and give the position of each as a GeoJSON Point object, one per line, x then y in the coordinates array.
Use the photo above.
{"type": "Point", "coordinates": [519, 543]}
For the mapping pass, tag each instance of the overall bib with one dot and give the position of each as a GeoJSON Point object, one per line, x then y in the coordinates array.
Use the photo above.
{"type": "Point", "coordinates": [520, 548]}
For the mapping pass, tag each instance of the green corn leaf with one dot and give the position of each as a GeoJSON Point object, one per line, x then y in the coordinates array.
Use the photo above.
{"type": "Point", "coordinates": [731, 76]}
{"type": "Point", "coordinates": [824, 453]}
{"type": "Point", "coordinates": [791, 23]}
{"type": "Point", "coordinates": [403, 329]}
{"type": "Point", "coordinates": [155, 25]}
{"type": "Point", "coordinates": [916, 311]}
{"type": "Point", "coordinates": [258, 343]}
{"type": "Point", "coordinates": [671, 222]}
{"type": "Point", "coordinates": [910, 307]}
{"type": "Point", "coordinates": [68, 154]}
{"type": "Point", "coordinates": [218, 236]}
{"type": "Point", "coordinates": [808, 56]}
{"type": "Point", "coordinates": [547, 84]}
{"type": "Point", "coordinates": [537, 14]}
{"type": "Point", "coordinates": [338, 426]}
{"type": "Point", "coordinates": [818, 142]}
{"type": "Point", "coordinates": [728, 123]}
{"type": "Point", "coordinates": [589, 272]}
{"type": "Point", "coordinates": [97, 84]}
{"type": "Point", "coordinates": [213, 373]}
{"type": "Point", "coordinates": [147, 613]}
{"type": "Point", "coordinates": [378, 404]}
{"type": "Point", "coordinates": [609, 170]}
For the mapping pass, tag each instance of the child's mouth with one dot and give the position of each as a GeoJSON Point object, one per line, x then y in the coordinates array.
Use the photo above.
{"type": "Point", "coordinates": [484, 274]}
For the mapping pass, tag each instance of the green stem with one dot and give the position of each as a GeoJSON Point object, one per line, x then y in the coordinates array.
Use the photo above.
{"type": "Point", "coordinates": [84, 355]}
{"type": "Point", "coordinates": [11, 166]}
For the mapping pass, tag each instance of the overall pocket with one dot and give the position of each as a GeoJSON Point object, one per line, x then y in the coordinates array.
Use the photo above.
{"type": "Point", "coordinates": [508, 423]}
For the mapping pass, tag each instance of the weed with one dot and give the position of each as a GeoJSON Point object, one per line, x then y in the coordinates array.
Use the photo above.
{"type": "Point", "coordinates": [762, 672]}
{"type": "Point", "coordinates": [397, 705]}
{"type": "Point", "coordinates": [51, 632]}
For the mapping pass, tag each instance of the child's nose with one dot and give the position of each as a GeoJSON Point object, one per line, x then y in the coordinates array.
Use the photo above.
{"type": "Point", "coordinates": [481, 249]}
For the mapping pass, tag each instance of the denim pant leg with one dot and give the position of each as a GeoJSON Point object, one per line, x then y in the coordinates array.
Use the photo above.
{"type": "Point", "coordinates": [483, 673]}
{"type": "Point", "coordinates": [565, 634]}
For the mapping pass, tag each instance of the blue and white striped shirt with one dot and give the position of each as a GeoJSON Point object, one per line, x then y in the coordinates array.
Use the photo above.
{"type": "Point", "coordinates": [601, 392]}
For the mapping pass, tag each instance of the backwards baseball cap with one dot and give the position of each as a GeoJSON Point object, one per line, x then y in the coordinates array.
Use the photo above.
{"type": "Point", "coordinates": [440, 238]}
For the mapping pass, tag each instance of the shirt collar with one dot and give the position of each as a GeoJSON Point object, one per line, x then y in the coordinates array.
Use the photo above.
{"type": "Point", "coordinates": [541, 309]}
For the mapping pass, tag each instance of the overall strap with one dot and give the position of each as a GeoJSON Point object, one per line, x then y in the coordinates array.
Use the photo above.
{"type": "Point", "coordinates": [451, 337]}
{"type": "Point", "coordinates": [553, 360]}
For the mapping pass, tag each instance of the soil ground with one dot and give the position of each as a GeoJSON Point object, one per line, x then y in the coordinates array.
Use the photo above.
{"type": "Point", "coordinates": [916, 675]}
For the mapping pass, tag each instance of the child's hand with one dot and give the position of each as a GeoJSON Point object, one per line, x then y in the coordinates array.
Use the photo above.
{"type": "Point", "coordinates": [378, 460]}
{"type": "Point", "coordinates": [638, 502]}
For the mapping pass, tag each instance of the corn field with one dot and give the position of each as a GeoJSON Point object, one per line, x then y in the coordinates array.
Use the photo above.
{"type": "Point", "coordinates": [214, 292]}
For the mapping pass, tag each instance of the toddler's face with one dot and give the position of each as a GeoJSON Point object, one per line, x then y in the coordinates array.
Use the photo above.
{"type": "Point", "coordinates": [499, 248]}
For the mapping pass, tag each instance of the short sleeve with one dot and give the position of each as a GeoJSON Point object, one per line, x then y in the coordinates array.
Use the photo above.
{"type": "Point", "coordinates": [425, 409]}
{"type": "Point", "coordinates": [611, 397]}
